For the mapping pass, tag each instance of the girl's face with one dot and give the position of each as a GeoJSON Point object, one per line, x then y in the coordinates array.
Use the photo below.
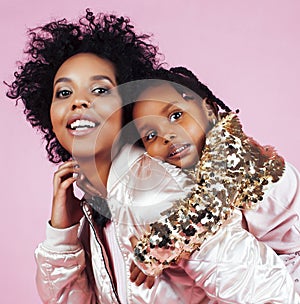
{"type": "Point", "coordinates": [86, 109]}
{"type": "Point", "coordinates": [171, 126]}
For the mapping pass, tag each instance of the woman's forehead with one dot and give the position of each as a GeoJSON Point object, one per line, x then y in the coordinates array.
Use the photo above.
{"type": "Point", "coordinates": [85, 65]}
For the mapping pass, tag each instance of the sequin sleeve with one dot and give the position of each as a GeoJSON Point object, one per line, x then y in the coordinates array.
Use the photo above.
{"type": "Point", "coordinates": [233, 172]}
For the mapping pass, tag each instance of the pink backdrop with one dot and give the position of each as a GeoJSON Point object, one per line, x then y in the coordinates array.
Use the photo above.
{"type": "Point", "coordinates": [247, 52]}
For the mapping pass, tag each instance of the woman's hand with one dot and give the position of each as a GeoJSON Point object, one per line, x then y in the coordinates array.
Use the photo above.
{"type": "Point", "coordinates": [136, 275]}
{"type": "Point", "coordinates": [66, 210]}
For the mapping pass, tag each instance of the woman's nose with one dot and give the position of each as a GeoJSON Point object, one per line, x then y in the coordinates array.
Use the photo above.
{"type": "Point", "coordinates": [81, 103]}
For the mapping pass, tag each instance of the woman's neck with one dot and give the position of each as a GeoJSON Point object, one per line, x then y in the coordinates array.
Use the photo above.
{"type": "Point", "coordinates": [96, 170]}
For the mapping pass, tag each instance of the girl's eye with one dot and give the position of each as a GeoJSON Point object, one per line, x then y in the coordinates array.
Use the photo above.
{"type": "Point", "coordinates": [63, 93]}
{"type": "Point", "coordinates": [173, 117]}
{"type": "Point", "coordinates": [150, 135]}
{"type": "Point", "coordinates": [101, 91]}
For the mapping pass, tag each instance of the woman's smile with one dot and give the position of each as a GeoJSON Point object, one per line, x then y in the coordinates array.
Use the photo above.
{"type": "Point", "coordinates": [81, 125]}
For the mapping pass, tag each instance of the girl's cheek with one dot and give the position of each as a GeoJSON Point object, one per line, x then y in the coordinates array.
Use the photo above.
{"type": "Point", "coordinates": [157, 150]}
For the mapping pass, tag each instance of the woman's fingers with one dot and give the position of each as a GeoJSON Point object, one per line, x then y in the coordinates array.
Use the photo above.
{"type": "Point", "coordinates": [64, 177]}
{"type": "Point", "coordinates": [65, 171]}
{"type": "Point", "coordinates": [66, 209]}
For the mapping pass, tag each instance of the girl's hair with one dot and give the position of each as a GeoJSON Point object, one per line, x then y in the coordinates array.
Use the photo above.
{"type": "Point", "coordinates": [182, 79]}
{"type": "Point", "coordinates": [107, 36]}
{"type": "Point", "coordinates": [186, 78]}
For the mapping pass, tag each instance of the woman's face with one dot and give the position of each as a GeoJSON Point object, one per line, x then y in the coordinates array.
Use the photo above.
{"type": "Point", "coordinates": [86, 112]}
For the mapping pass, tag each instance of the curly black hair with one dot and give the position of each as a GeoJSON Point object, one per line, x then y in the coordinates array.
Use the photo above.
{"type": "Point", "coordinates": [108, 36]}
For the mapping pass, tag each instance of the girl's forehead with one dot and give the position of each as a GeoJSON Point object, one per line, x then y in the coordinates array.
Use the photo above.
{"type": "Point", "coordinates": [163, 92]}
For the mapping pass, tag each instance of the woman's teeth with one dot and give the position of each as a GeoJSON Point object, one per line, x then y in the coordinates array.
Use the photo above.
{"type": "Point", "coordinates": [82, 124]}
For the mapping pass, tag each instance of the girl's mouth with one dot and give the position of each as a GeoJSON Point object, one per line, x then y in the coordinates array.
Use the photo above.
{"type": "Point", "coordinates": [179, 150]}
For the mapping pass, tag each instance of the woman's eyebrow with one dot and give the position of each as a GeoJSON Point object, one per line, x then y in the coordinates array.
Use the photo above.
{"type": "Point", "coordinates": [62, 79]}
{"type": "Point", "coordinates": [102, 77]}
{"type": "Point", "coordinates": [96, 77]}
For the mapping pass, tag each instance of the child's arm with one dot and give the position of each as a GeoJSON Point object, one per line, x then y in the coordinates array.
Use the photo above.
{"type": "Point", "coordinates": [233, 172]}
{"type": "Point", "coordinates": [136, 275]}
{"type": "Point", "coordinates": [61, 276]}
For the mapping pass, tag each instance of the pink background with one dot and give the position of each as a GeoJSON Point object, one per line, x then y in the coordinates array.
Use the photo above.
{"type": "Point", "coordinates": [247, 52]}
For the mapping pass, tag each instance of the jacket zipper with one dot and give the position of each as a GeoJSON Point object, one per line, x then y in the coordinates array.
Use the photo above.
{"type": "Point", "coordinates": [84, 206]}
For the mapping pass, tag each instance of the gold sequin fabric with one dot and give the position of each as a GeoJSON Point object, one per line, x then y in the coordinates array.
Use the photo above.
{"type": "Point", "coordinates": [234, 172]}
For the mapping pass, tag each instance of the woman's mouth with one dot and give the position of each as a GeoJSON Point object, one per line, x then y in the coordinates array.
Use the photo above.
{"type": "Point", "coordinates": [80, 127]}
{"type": "Point", "coordinates": [178, 151]}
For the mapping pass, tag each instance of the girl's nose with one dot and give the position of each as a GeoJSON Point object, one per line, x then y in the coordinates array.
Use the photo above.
{"type": "Point", "coordinates": [169, 137]}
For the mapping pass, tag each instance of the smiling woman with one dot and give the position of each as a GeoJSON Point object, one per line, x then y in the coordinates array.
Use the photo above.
{"type": "Point", "coordinates": [68, 88]}
{"type": "Point", "coordinates": [86, 115]}
{"type": "Point", "coordinates": [86, 112]}
{"type": "Point", "coordinates": [126, 54]}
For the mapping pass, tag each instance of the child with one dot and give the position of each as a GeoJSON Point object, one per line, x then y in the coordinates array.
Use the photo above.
{"type": "Point", "coordinates": [179, 127]}
{"type": "Point", "coordinates": [68, 87]}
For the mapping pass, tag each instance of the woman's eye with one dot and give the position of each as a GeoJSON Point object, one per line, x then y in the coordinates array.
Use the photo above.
{"type": "Point", "coordinates": [63, 93]}
{"type": "Point", "coordinates": [151, 135]}
{"type": "Point", "coordinates": [101, 91]}
{"type": "Point", "coordinates": [173, 117]}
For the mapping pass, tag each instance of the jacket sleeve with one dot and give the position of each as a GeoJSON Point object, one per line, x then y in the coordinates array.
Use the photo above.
{"type": "Point", "coordinates": [61, 276]}
{"type": "Point", "coordinates": [233, 267]}
{"type": "Point", "coordinates": [277, 221]}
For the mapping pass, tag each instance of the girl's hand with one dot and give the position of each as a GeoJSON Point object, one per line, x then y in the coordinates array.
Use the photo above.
{"type": "Point", "coordinates": [136, 275]}
{"type": "Point", "coordinates": [66, 210]}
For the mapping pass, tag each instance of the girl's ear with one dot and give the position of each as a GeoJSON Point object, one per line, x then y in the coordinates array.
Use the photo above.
{"type": "Point", "coordinates": [211, 106]}
{"type": "Point", "coordinates": [211, 110]}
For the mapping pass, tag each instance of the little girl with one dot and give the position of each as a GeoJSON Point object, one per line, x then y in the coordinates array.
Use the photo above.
{"type": "Point", "coordinates": [69, 89]}
{"type": "Point", "coordinates": [180, 127]}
